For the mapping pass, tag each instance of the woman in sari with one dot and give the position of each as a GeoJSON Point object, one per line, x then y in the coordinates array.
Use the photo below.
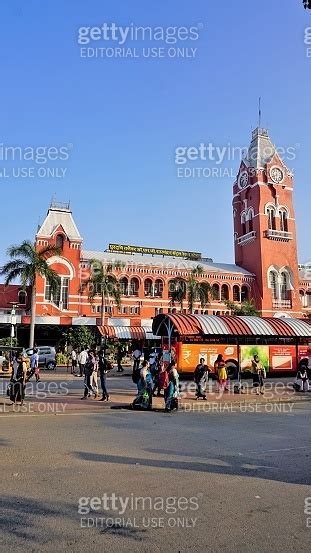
{"type": "Point", "coordinates": [145, 388]}
{"type": "Point", "coordinates": [19, 382]}
{"type": "Point", "coordinates": [171, 393]}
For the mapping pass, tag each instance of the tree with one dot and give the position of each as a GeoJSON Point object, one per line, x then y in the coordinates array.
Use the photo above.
{"type": "Point", "coordinates": [80, 337]}
{"type": "Point", "coordinates": [245, 308]}
{"type": "Point", "coordinates": [103, 282]}
{"type": "Point", "coordinates": [26, 264]}
{"type": "Point", "coordinates": [192, 289]}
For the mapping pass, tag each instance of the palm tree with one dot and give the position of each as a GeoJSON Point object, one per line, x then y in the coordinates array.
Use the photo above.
{"type": "Point", "coordinates": [246, 308]}
{"type": "Point", "coordinates": [178, 291]}
{"type": "Point", "coordinates": [193, 290]}
{"type": "Point", "coordinates": [26, 264]}
{"type": "Point", "coordinates": [103, 282]}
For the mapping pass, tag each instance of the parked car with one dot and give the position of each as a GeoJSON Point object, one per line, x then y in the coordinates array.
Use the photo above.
{"type": "Point", "coordinates": [47, 356]}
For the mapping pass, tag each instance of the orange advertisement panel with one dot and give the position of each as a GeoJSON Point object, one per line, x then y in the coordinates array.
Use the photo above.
{"type": "Point", "coordinates": [283, 358]}
{"type": "Point", "coordinates": [189, 355]}
{"type": "Point", "coordinates": [304, 352]}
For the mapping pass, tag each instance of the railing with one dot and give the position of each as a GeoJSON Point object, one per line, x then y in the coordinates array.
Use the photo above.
{"type": "Point", "coordinates": [281, 304]}
{"type": "Point", "coordinates": [278, 234]}
{"type": "Point", "coordinates": [246, 238]}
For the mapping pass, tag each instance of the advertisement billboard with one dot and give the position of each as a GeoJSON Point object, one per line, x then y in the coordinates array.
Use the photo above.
{"type": "Point", "coordinates": [283, 358]}
{"type": "Point", "coordinates": [189, 355]}
{"type": "Point", "coordinates": [247, 355]}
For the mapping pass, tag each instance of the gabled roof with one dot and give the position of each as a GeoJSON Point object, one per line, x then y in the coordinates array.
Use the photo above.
{"type": "Point", "coordinates": [59, 217]}
{"type": "Point", "coordinates": [164, 262]}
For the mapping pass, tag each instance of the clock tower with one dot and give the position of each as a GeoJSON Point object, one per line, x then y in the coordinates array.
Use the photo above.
{"type": "Point", "coordinates": [265, 228]}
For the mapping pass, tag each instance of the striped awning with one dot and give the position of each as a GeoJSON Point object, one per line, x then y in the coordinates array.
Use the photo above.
{"type": "Point", "coordinates": [128, 332]}
{"type": "Point", "coordinates": [198, 325]}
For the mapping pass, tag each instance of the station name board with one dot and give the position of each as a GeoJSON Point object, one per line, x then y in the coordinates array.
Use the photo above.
{"type": "Point", "coordinates": [121, 248]}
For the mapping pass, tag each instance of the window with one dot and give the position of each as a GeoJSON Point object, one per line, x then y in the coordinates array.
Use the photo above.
{"type": "Point", "coordinates": [158, 288]}
{"type": "Point", "coordinates": [22, 297]}
{"type": "Point", "coordinates": [134, 310]}
{"type": "Point", "coordinates": [284, 281]}
{"type": "Point", "coordinates": [283, 221]}
{"type": "Point", "coordinates": [236, 293]}
{"type": "Point", "coordinates": [273, 284]}
{"type": "Point", "coordinates": [134, 287]}
{"type": "Point", "coordinates": [244, 293]}
{"type": "Point", "coordinates": [243, 224]}
{"type": "Point", "coordinates": [271, 218]}
{"type": "Point", "coordinates": [250, 223]}
{"type": "Point", "coordinates": [224, 292]}
{"type": "Point", "coordinates": [60, 241]}
{"type": "Point", "coordinates": [148, 287]}
{"type": "Point", "coordinates": [215, 288]}
{"type": "Point", "coordinates": [124, 286]}
{"type": "Point", "coordinates": [60, 296]}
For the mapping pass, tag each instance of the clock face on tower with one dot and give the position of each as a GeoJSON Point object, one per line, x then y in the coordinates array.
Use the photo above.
{"type": "Point", "coordinates": [243, 179]}
{"type": "Point", "coordinates": [276, 174]}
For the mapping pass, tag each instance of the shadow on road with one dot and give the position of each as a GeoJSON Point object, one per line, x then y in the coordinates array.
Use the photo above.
{"type": "Point", "coordinates": [230, 465]}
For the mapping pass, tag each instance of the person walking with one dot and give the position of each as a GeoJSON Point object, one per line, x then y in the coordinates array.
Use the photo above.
{"type": "Point", "coordinates": [19, 382]}
{"type": "Point", "coordinates": [82, 359]}
{"type": "Point", "coordinates": [259, 374]}
{"type": "Point", "coordinates": [34, 364]}
{"type": "Point", "coordinates": [103, 368]}
{"type": "Point", "coordinates": [171, 393]}
{"type": "Point", "coordinates": [94, 375]}
{"type": "Point", "coordinates": [120, 356]}
{"type": "Point", "coordinates": [136, 358]}
{"type": "Point", "coordinates": [73, 361]}
{"type": "Point", "coordinates": [201, 378]}
{"type": "Point", "coordinates": [143, 399]}
{"type": "Point", "coordinates": [89, 368]}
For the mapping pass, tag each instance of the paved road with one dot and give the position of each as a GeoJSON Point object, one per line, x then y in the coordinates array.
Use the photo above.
{"type": "Point", "coordinates": [248, 474]}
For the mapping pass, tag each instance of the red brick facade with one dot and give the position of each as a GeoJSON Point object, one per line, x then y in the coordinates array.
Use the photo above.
{"type": "Point", "coordinates": [266, 268]}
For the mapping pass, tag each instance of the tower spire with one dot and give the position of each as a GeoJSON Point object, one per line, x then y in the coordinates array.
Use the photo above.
{"type": "Point", "coordinates": [259, 112]}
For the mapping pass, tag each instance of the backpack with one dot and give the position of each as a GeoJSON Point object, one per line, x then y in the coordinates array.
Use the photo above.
{"type": "Point", "coordinates": [136, 376]}
{"type": "Point", "coordinates": [163, 380]}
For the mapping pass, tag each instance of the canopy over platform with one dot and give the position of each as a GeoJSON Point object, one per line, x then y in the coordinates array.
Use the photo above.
{"type": "Point", "coordinates": [206, 325]}
{"type": "Point", "coordinates": [128, 332]}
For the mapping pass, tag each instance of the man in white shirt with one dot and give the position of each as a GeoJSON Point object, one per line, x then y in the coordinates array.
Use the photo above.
{"type": "Point", "coordinates": [83, 356]}
{"type": "Point", "coordinates": [73, 361]}
{"type": "Point", "coordinates": [136, 357]}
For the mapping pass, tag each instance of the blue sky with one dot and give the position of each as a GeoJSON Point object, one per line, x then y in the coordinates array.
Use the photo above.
{"type": "Point", "coordinates": [123, 118]}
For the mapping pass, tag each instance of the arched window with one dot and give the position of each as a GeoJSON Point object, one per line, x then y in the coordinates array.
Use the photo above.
{"type": "Point", "coordinates": [271, 218]}
{"type": "Point", "coordinates": [250, 221]}
{"type": "Point", "coordinates": [273, 284]}
{"type": "Point", "coordinates": [224, 292]}
{"type": "Point", "coordinates": [134, 287]}
{"type": "Point", "coordinates": [303, 298]}
{"type": "Point", "coordinates": [124, 286]}
{"type": "Point", "coordinates": [22, 296]}
{"type": "Point", "coordinates": [216, 291]}
{"type": "Point", "coordinates": [148, 287]}
{"type": "Point", "coordinates": [158, 288]}
{"type": "Point", "coordinates": [244, 293]}
{"type": "Point", "coordinates": [174, 286]}
{"type": "Point", "coordinates": [243, 223]}
{"type": "Point", "coordinates": [236, 293]}
{"type": "Point", "coordinates": [60, 241]}
{"type": "Point", "coordinates": [284, 286]}
{"type": "Point", "coordinates": [283, 220]}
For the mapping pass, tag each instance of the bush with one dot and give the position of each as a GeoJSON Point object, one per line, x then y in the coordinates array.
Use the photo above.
{"type": "Point", "coordinates": [61, 359]}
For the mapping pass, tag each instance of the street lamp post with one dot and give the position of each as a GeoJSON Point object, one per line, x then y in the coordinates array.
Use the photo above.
{"type": "Point", "coordinates": [13, 321]}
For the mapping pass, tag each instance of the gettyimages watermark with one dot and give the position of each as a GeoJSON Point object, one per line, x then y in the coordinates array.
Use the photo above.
{"type": "Point", "coordinates": [220, 161]}
{"type": "Point", "coordinates": [30, 162]}
{"type": "Point", "coordinates": [114, 511]}
{"type": "Point", "coordinates": [307, 511]}
{"type": "Point", "coordinates": [110, 40]}
{"type": "Point", "coordinates": [40, 397]}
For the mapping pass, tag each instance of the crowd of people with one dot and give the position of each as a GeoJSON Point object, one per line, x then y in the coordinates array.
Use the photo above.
{"type": "Point", "coordinates": [151, 374]}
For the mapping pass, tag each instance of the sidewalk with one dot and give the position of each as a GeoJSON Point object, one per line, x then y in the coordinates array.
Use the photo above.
{"type": "Point", "coordinates": [60, 404]}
